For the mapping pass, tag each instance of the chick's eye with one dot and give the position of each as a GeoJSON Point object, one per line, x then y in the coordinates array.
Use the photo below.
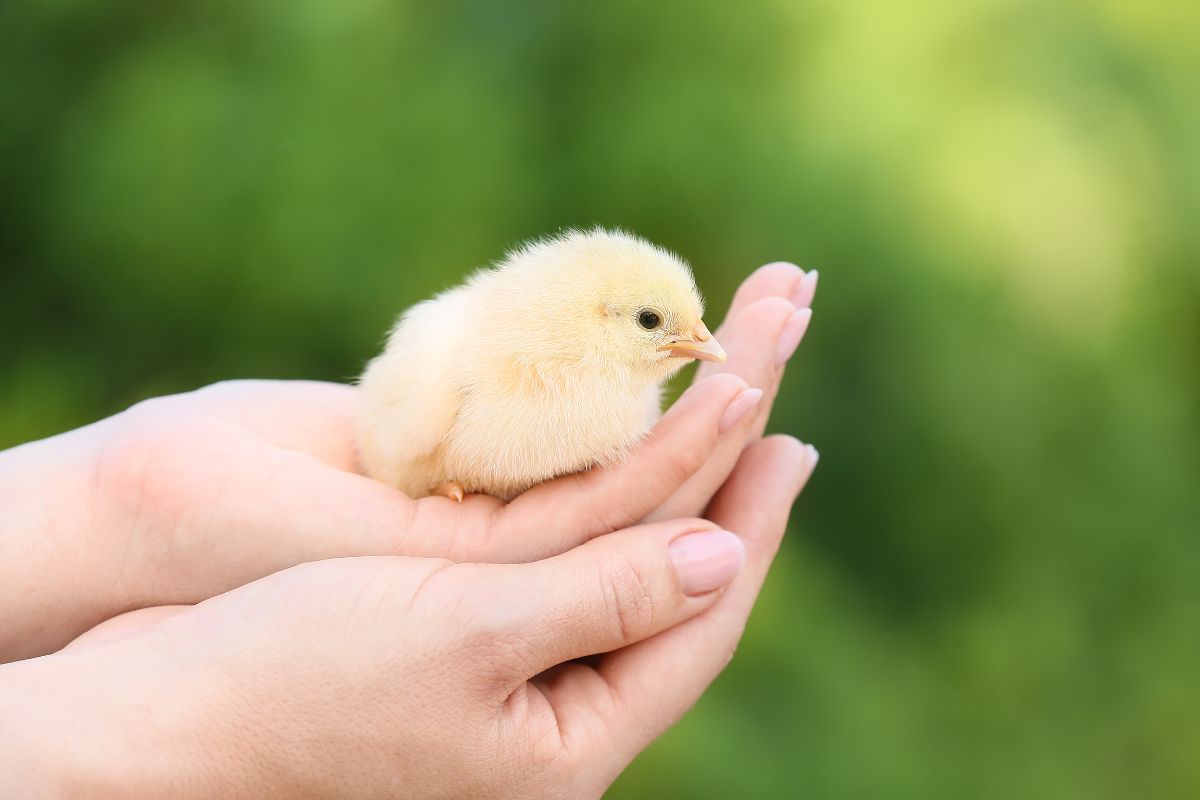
{"type": "Point", "coordinates": [649, 320]}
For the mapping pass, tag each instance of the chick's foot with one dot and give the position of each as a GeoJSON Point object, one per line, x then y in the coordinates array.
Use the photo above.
{"type": "Point", "coordinates": [451, 489]}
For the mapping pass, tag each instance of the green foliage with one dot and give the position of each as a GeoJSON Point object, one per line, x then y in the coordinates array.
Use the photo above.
{"type": "Point", "coordinates": [990, 586]}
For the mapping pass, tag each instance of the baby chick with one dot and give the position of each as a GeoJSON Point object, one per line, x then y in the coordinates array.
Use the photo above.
{"type": "Point", "coordinates": [548, 363]}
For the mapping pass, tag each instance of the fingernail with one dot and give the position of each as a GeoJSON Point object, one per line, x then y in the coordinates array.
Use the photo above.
{"type": "Point", "coordinates": [805, 463]}
{"type": "Point", "coordinates": [810, 463]}
{"type": "Point", "coordinates": [793, 332]}
{"type": "Point", "coordinates": [806, 289]}
{"type": "Point", "coordinates": [707, 560]}
{"type": "Point", "coordinates": [738, 408]}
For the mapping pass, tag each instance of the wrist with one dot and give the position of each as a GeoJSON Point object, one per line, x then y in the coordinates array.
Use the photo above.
{"type": "Point", "coordinates": [104, 722]}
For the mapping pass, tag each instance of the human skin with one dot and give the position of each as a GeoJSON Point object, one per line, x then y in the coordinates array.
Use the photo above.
{"type": "Point", "coordinates": [383, 674]}
{"type": "Point", "coordinates": [182, 498]}
{"type": "Point", "coordinates": [414, 677]}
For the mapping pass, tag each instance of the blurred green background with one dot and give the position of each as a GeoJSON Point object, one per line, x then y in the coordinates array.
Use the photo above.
{"type": "Point", "coordinates": [992, 585]}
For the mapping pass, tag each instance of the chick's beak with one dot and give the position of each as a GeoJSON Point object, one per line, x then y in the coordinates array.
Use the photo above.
{"type": "Point", "coordinates": [700, 344]}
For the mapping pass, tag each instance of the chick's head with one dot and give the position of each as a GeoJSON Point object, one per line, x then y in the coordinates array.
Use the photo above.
{"type": "Point", "coordinates": [610, 299]}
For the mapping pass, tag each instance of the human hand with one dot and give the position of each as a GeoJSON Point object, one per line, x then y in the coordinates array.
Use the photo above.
{"type": "Point", "coordinates": [184, 497]}
{"type": "Point", "coordinates": [372, 676]}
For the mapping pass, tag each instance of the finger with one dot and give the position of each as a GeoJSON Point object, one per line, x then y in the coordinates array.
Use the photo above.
{"type": "Point", "coordinates": [126, 624]}
{"type": "Point", "coordinates": [756, 300]}
{"type": "Point", "coordinates": [309, 416]}
{"type": "Point", "coordinates": [753, 343]}
{"type": "Point", "coordinates": [646, 687]}
{"type": "Point", "coordinates": [806, 291]}
{"type": "Point", "coordinates": [778, 279]}
{"type": "Point", "coordinates": [609, 593]}
{"type": "Point", "coordinates": [558, 515]}
{"type": "Point", "coordinates": [790, 337]}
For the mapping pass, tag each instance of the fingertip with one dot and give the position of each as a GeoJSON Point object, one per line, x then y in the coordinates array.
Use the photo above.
{"type": "Point", "coordinates": [791, 335]}
{"type": "Point", "coordinates": [777, 271]}
{"type": "Point", "coordinates": [777, 466]}
{"type": "Point", "coordinates": [652, 577]}
{"type": "Point", "coordinates": [800, 456]}
{"type": "Point", "coordinates": [806, 289]}
{"type": "Point", "coordinates": [787, 444]}
{"type": "Point", "coordinates": [776, 279]}
{"type": "Point", "coordinates": [738, 409]}
{"type": "Point", "coordinates": [790, 446]}
{"type": "Point", "coordinates": [810, 464]}
{"type": "Point", "coordinates": [755, 330]}
{"type": "Point", "coordinates": [772, 307]}
{"type": "Point", "coordinates": [705, 561]}
{"type": "Point", "coordinates": [720, 387]}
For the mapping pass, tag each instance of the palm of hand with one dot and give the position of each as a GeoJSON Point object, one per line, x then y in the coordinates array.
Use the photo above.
{"type": "Point", "coordinates": [204, 492]}
{"type": "Point", "coordinates": [215, 488]}
{"type": "Point", "coordinates": [458, 679]}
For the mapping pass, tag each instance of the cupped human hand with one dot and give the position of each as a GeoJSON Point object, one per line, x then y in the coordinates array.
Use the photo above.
{"type": "Point", "coordinates": [378, 676]}
{"type": "Point", "coordinates": [181, 498]}
{"type": "Point", "coordinates": [289, 479]}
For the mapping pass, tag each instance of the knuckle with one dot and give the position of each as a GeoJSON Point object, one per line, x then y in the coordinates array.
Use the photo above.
{"type": "Point", "coordinates": [629, 600]}
{"type": "Point", "coordinates": [609, 519]}
{"type": "Point", "coordinates": [496, 638]}
{"type": "Point", "coordinates": [499, 653]}
{"type": "Point", "coordinates": [685, 460]}
{"type": "Point", "coordinates": [133, 444]}
{"type": "Point", "coordinates": [139, 458]}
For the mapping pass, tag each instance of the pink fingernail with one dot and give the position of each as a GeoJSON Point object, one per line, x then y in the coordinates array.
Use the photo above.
{"type": "Point", "coordinates": [738, 408]}
{"type": "Point", "coordinates": [707, 560]}
{"type": "Point", "coordinates": [793, 332]}
{"type": "Point", "coordinates": [806, 289]}
{"type": "Point", "coordinates": [813, 455]}
{"type": "Point", "coordinates": [804, 469]}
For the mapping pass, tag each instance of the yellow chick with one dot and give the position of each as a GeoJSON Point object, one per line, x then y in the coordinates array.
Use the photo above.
{"type": "Point", "coordinates": [548, 363]}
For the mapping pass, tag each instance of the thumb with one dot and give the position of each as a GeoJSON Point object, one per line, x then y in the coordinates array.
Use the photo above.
{"type": "Point", "coordinates": [124, 624]}
{"type": "Point", "coordinates": [616, 590]}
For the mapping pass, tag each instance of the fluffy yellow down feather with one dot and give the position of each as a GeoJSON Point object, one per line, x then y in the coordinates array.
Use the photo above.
{"type": "Point", "coordinates": [547, 363]}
